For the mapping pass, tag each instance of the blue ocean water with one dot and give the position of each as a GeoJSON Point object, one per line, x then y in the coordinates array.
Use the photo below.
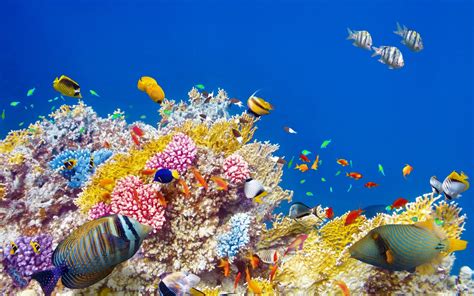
{"type": "Point", "coordinates": [295, 52]}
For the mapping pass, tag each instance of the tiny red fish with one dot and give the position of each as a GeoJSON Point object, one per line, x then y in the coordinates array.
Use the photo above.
{"type": "Point", "coordinates": [342, 162]}
{"type": "Point", "coordinates": [297, 243]}
{"type": "Point", "coordinates": [135, 139]}
{"type": "Point", "coordinates": [398, 203]}
{"type": "Point", "coordinates": [352, 216]}
{"type": "Point", "coordinates": [329, 213]}
{"type": "Point", "coordinates": [237, 280]}
{"type": "Point", "coordinates": [138, 131]}
{"type": "Point", "coordinates": [106, 144]}
{"type": "Point", "coordinates": [148, 172]}
{"type": "Point", "coordinates": [161, 199]}
{"type": "Point", "coordinates": [185, 188]}
{"type": "Point", "coordinates": [371, 185]}
{"type": "Point", "coordinates": [273, 270]}
{"type": "Point", "coordinates": [254, 260]}
{"type": "Point", "coordinates": [221, 183]}
{"type": "Point", "coordinates": [304, 158]}
{"type": "Point", "coordinates": [354, 175]}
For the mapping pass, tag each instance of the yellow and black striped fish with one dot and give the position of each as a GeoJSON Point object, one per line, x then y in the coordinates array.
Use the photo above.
{"type": "Point", "coordinates": [92, 251]}
{"type": "Point", "coordinates": [258, 106]}
{"type": "Point", "coordinates": [35, 246]}
{"type": "Point", "coordinates": [67, 87]}
{"type": "Point", "coordinates": [14, 248]}
{"type": "Point", "coordinates": [404, 247]}
{"type": "Point", "coordinates": [91, 163]}
{"type": "Point", "coordinates": [70, 164]}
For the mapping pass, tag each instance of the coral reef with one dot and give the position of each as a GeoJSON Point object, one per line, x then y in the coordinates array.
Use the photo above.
{"type": "Point", "coordinates": [236, 169]}
{"type": "Point", "coordinates": [100, 209]}
{"type": "Point", "coordinates": [231, 242]}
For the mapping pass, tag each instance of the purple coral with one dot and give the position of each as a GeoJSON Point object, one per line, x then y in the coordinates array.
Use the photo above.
{"type": "Point", "coordinates": [236, 169]}
{"type": "Point", "coordinates": [178, 155]}
{"type": "Point", "coordinates": [25, 261]}
{"type": "Point", "coordinates": [100, 209]}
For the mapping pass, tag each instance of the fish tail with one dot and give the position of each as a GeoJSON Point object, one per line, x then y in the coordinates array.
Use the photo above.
{"type": "Point", "coordinates": [49, 278]}
{"type": "Point", "coordinates": [456, 245]}
{"type": "Point", "coordinates": [399, 30]}
{"type": "Point", "coordinates": [376, 51]}
{"type": "Point", "coordinates": [349, 31]}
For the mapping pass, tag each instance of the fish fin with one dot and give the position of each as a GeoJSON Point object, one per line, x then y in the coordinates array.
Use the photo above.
{"type": "Point", "coordinates": [83, 280]}
{"type": "Point", "coordinates": [196, 292]}
{"type": "Point", "coordinates": [376, 51]}
{"type": "Point", "coordinates": [389, 255]}
{"type": "Point", "coordinates": [403, 42]}
{"type": "Point", "coordinates": [456, 245]}
{"type": "Point", "coordinates": [49, 278]}
{"type": "Point", "coordinates": [381, 61]}
{"type": "Point", "coordinates": [399, 30]}
{"type": "Point", "coordinates": [390, 67]}
{"type": "Point", "coordinates": [349, 31]}
{"type": "Point", "coordinates": [428, 224]}
{"type": "Point", "coordinates": [118, 242]}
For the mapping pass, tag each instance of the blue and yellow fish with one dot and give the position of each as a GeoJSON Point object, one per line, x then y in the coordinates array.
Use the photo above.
{"type": "Point", "coordinates": [404, 247]}
{"type": "Point", "coordinates": [166, 175]}
{"type": "Point", "coordinates": [91, 252]}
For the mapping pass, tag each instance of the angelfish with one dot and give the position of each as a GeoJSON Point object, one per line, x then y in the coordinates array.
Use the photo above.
{"type": "Point", "coordinates": [91, 252]}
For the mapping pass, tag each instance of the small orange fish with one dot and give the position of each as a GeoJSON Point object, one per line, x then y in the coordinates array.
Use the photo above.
{"type": "Point", "coordinates": [304, 158]}
{"type": "Point", "coordinates": [254, 260]}
{"type": "Point", "coordinates": [105, 182]}
{"type": "Point", "coordinates": [161, 199]}
{"type": "Point", "coordinates": [252, 284]}
{"type": "Point", "coordinates": [138, 131]}
{"type": "Point", "coordinates": [199, 178]}
{"type": "Point", "coordinates": [237, 280]}
{"type": "Point", "coordinates": [352, 216]}
{"type": "Point", "coordinates": [221, 183]}
{"type": "Point", "coordinates": [315, 163]}
{"type": "Point", "coordinates": [135, 139]}
{"type": "Point", "coordinates": [398, 203]}
{"type": "Point", "coordinates": [344, 288]}
{"type": "Point", "coordinates": [106, 196]}
{"type": "Point", "coordinates": [225, 266]}
{"type": "Point", "coordinates": [273, 270]}
{"type": "Point", "coordinates": [297, 243]}
{"type": "Point", "coordinates": [302, 167]}
{"type": "Point", "coordinates": [354, 175]}
{"type": "Point", "coordinates": [342, 162]}
{"type": "Point", "coordinates": [407, 169]}
{"type": "Point", "coordinates": [329, 213]}
{"type": "Point", "coordinates": [148, 172]}
{"type": "Point", "coordinates": [136, 198]}
{"type": "Point", "coordinates": [185, 188]}
{"type": "Point", "coordinates": [371, 185]}
{"type": "Point", "coordinates": [106, 144]}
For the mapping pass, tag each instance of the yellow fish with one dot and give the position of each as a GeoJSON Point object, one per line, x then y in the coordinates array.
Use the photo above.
{"type": "Point", "coordinates": [151, 87]}
{"type": "Point", "coordinates": [36, 247]}
{"type": "Point", "coordinates": [258, 106]}
{"type": "Point", "coordinates": [315, 163]}
{"type": "Point", "coordinates": [70, 164]}
{"type": "Point", "coordinates": [67, 87]}
{"type": "Point", "coordinates": [302, 167]}
{"type": "Point", "coordinates": [14, 248]}
{"type": "Point", "coordinates": [407, 169]}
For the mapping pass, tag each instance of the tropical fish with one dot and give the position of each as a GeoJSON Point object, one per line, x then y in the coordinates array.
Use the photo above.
{"type": "Point", "coordinates": [3, 114]}
{"type": "Point", "coordinates": [361, 39]}
{"type": "Point", "coordinates": [389, 55]}
{"type": "Point", "coordinates": [407, 169]}
{"type": "Point", "coordinates": [200, 86]}
{"type": "Point", "coordinates": [225, 265]}
{"type": "Point", "coordinates": [148, 172]}
{"type": "Point", "coordinates": [273, 270]}
{"type": "Point", "coordinates": [304, 158]}
{"type": "Point", "coordinates": [161, 199]}
{"type": "Point", "coordinates": [342, 162]}
{"type": "Point", "coordinates": [185, 188]}
{"type": "Point", "coordinates": [289, 130]}
{"type": "Point", "coordinates": [142, 116]}
{"type": "Point", "coordinates": [399, 247]}
{"type": "Point", "coordinates": [398, 203]}
{"type": "Point", "coordinates": [237, 135]}
{"type": "Point", "coordinates": [278, 160]}
{"type": "Point", "coordinates": [373, 210]}
{"type": "Point", "coordinates": [13, 248]}
{"type": "Point", "coordinates": [370, 185]}
{"type": "Point", "coordinates": [296, 244]}
{"type": "Point", "coordinates": [138, 131]}
{"type": "Point", "coordinates": [152, 89]}
{"type": "Point", "coordinates": [30, 92]}
{"type": "Point", "coordinates": [258, 106]}
{"type": "Point", "coordinates": [135, 138]}
{"type": "Point", "coordinates": [290, 163]}
{"type": "Point", "coordinates": [352, 216]}
{"type": "Point", "coordinates": [165, 176]}
{"type": "Point", "coordinates": [309, 193]}
{"type": "Point", "coordinates": [436, 185]}
{"type": "Point", "coordinates": [305, 152]}
{"type": "Point", "coordinates": [381, 170]}
{"type": "Point", "coordinates": [323, 179]}
{"type": "Point", "coordinates": [221, 183]}
{"type": "Point", "coordinates": [94, 93]}
{"type": "Point", "coordinates": [14, 104]}
{"type": "Point", "coordinates": [145, 81]}
{"type": "Point", "coordinates": [35, 246]}
{"type": "Point", "coordinates": [315, 163]}
{"type": "Point", "coordinates": [236, 102]}
{"type": "Point", "coordinates": [299, 210]}
{"type": "Point", "coordinates": [354, 175]}
{"type": "Point", "coordinates": [344, 288]}
{"type": "Point", "coordinates": [302, 167]}
{"type": "Point", "coordinates": [254, 189]}
{"type": "Point", "coordinates": [253, 286]}
{"type": "Point", "coordinates": [254, 260]}
{"type": "Point", "coordinates": [329, 213]}
{"type": "Point", "coordinates": [349, 188]}
{"type": "Point", "coordinates": [325, 143]}
{"type": "Point", "coordinates": [67, 87]}
{"type": "Point", "coordinates": [70, 164]}
{"type": "Point", "coordinates": [455, 184]}
{"type": "Point", "coordinates": [269, 256]}
{"type": "Point", "coordinates": [91, 252]}
{"type": "Point", "coordinates": [302, 181]}
{"type": "Point", "coordinates": [237, 280]}
{"type": "Point", "coordinates": [411, 38]}
{"type": "Point", "coordinates": [178, 284]}
{"type": "Point", "coordinates": [199, 178]}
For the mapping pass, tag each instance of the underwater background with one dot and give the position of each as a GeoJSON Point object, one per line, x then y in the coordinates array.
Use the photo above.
{"type": "Point", "coordinates": [295, 53]}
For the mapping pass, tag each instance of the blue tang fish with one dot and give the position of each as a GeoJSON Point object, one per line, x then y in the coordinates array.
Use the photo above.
{"type": "Point", "coordinates": [404, 247]}
{"type": "Point", "coordinates": [92, 251]}
{"type": "Point", "coordinates": [166, 175]}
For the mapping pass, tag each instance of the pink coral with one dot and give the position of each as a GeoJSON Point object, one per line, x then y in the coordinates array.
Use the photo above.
{"type": "Point", "coordinates": [99, 210]}
{"type": "Point", "coordinates": [137, 200]}
{"type": "Point", "coordinates": [236, 169]}
{"type": "Point", "coordinates": [178, 155]}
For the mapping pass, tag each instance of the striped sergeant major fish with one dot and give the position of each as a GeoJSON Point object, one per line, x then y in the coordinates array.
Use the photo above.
{"type": "Point", "coordinates": [411, 38]}
{"type": "Point", "coordinates": [389, 55]}
{"type": "Point", "coordinates": [91, 252]}
{"type": "Point", "coordinates": [361, 39]}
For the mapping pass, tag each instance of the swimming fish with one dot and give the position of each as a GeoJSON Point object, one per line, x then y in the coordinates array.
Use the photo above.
{"type": "Point", "coordinates": [3, 114]}
{"type": "Point", "coordinates": [296, 244]}
{"type": "Point", "coordinates": [67, 87]}
{"type": "Point", "coordinates": [389, 55]}
{"type": "Point", "coordinates": [258, 106]}
{"type": "Point", "coordinates": [165, 176]}
{"type": "Point", "coordinates": [352, 216]}
{"type": "Point", "coordinates": [407, 169]}
{"type": "Point", "coordinates": [161, 199]}
{"type": "Point", "coordinates": [373, 210]}
{"type": "Point", "coordinates": [152, 89]}
{"type": "Point", "coordinates": [70, 163]}
{"type": "Point", "coordinates": [225, 265]}
{"type": "Point", "coordinates": [92, 251]}
{"type": "Point", "coordinates": [299, 210]}
{"type": "Point", "coordinates": [315, 163]}
{"type": "Point", "coordinates": [237, 135]}
{"type": "Point", "coordinates": [94, 93]}
{"type": "Point", "coordinates": [254, 189]}
{"type": "Point", "coordinates": [325, 143]}
{"type": "Point", "coordinates": [289, 130]}
{"type": "Point", "coordinates": [302, 167]}
{"type": "Point", "coordinates": [200, 86]}
{"type": "Point", "coordinates": [354, 175]}
{"type": "Point", "coordinates": [13, 248]}
{"type": "Point", "coordinates": [411, 38]}
{"type": "Point", "coordinates": [179, 284]}
{"type": "Point", "coordinates": [138, 131]}
{"type": "Point", "coordinates": [135, 138]}
{"type": "Point", "coordinates": [14, 104]}
{"type": "Point", "coordinates": [269, 256]}
{"type": "Point", "coordinates": [253, 286]}
{"type": "Point", "coordinates": [254, 260]}
{"type": "Point", "coordinates": [273, 270]}
{"type": "Point", "coordinates": [398, 203]}
{"type": "Point", "coordinates": [344, 288]}
{"type": "Point", "coordinates": [404, 247]}
{"type": "Point", "coordinates": [436, 185]}
{"type": "Point", "coordinates": [290, 163]}
{"type": "Point", "coordinates": [237, 280]}
{"type": "Point", "coordinates": [145, 81]}
{"type": "Point", "coordinates": [185, 188]}
{"type": "Point", "coordinates": [148, 172]}
{"type": "Point", "coordinates": [370, 185]}
{"type": "Point", "coordinates": [30, 92]}
{"type": "Point", "coordinates": [304, 158]}
{"type": "Point", "coordinates": [329, 213]}
{"type": "Point", "coordinates": [342, 162]}
{"type": "Point", "coordinates": [199, 178]}
{"type": "Point", "coordinates": [236, 102]}
{"type": "Point", "coordinates": [362, 39]}
{"type": "Point", "coordinates": [306, 152]}
{"type": "Point", "coordinates": [35, 246]}
{"type": "Point", "coordinates": [381, 170]}
{"type": "Point", "coordinates": [455, 184]}
{"type": "Point", "coordinates": [221, 183]}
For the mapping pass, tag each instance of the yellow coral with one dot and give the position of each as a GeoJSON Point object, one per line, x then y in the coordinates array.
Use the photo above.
{"type": "Point", "coordinates": [210, 291]}
{"type": "Point", "coordinates": [13, 140]}
{"type": "Point", "coordinates": [267, 287]}
{"type": "Point", "coordinates": [16, 158]}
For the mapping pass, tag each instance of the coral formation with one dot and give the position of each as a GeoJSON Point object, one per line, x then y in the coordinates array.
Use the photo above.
{"type": "Point", "coordinates": [236, 169]}
{"type": "Point", "coordinates": [100, 209]}
{"type": "Point", "coordinates": [231, 242]}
